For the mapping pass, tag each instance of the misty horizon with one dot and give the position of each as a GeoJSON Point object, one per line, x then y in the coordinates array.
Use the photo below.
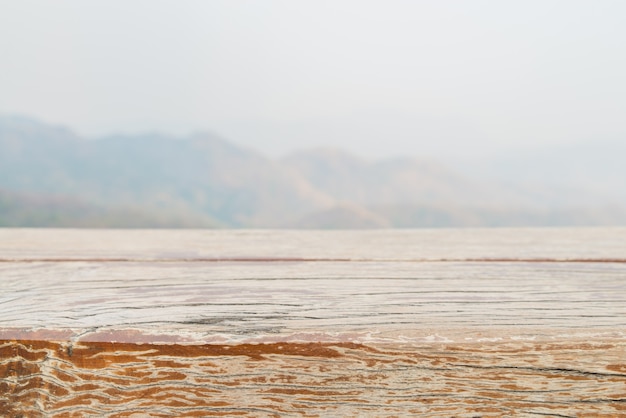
{"type": "Point", "coordinates": [384, 79]}
{"type": "Point", "coordinates": [476, 155]}
{"type": "Point", "coordinates": [452, 113]}
{"type": "Point", "coordinates": [51, 176]}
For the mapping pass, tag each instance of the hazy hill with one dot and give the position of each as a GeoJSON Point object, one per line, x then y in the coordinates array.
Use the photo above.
{"type": "Point", "coordinates": [400, 181]}
{"type": "Point", "coordinates": [199, 174]}
{"type": "Point", "coordinates": [40, 210]}
{"type": "Point", "coordinates": [425, 216]}
{"type": "Point", "coordinates": [344, 216]}
{"type": "Point", "coordinates": [407, 193]}
{"type": "Point", "coordinates": [205, 172]}
{"type": "Point", "coordinates": [49, 176]}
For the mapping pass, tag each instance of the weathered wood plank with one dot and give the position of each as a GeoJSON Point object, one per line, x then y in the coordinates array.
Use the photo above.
{"type": "Point", "coordinates": [313, 379]}
{"type": "Point", "coordinates": [264, 323]}
{"type": "Point", "coordinates": [209, 302]}
{"type": "Point", "coordinates": [408, 245]}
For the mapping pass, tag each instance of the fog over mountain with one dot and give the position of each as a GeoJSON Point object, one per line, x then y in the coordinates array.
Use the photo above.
{"type": "Point", "coordinates": [566, 175]}
{"type": "Point", "coordinates": [50, 176]}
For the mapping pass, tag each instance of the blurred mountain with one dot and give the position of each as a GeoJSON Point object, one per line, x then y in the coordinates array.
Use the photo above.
{"type": "Point", "coordinates": [49, 176]}
{"type": "Point", "coordinates": [400, 181]}
{"type": "Point", "coordinates": [199, 174]}
{"type": "Point", "coordinates": [505, 216]}
{"type": "Point", "coordinates": [343, 216]}
{"type": "Point", "coordinates": [37, 210]}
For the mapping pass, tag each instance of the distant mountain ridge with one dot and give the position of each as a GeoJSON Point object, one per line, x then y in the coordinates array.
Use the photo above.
{"type": "Point", "coordinates": [49, 176]}
{"type": "Point", "coordinates": [199, 174]}
{"type": "Point", "coordinates": [399, 181]}
{"type": "Point", "coordinates": [40, 210]}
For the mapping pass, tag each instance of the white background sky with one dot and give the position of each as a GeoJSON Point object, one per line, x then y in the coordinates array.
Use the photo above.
{"type": "Point", "coordinates": [379, 78]}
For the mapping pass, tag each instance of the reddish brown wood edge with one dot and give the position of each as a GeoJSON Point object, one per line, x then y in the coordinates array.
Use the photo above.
{"type": "Point", "coordinates": [60, 379]}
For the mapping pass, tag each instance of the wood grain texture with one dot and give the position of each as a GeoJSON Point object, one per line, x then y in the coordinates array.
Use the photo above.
{"type": "Point", "coordinates": [314, 379]}
{"type": "Point", "coordinates": [264, 323]}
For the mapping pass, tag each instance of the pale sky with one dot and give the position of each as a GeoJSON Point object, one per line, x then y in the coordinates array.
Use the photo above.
{"type": "Point", "coordinates": [379, 78]}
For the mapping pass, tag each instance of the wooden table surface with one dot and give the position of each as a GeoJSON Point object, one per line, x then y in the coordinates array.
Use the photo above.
{"type": "Point", "coordinates": [456, 322]}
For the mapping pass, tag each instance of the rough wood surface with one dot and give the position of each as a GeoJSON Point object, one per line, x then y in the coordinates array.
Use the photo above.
{"type": "Point", "coordinates": [266, 323]}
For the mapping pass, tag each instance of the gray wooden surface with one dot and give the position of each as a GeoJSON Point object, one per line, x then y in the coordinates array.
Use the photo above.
{"type": "Point", "coordinates": [376, 323]}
